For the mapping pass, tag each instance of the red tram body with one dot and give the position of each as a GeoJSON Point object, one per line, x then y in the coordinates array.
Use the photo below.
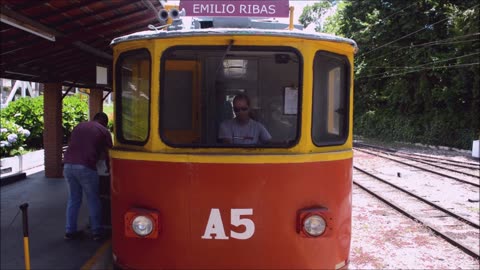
{"type": "Point", "coordinates": [183, 200]}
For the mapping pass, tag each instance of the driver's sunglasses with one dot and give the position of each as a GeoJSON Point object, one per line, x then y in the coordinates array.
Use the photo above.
{"type": "Point", "coordinates": [243, 109]}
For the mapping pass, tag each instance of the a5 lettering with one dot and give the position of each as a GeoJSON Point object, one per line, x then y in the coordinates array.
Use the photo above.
{"type": "Point", "coordinates": [216, 230]}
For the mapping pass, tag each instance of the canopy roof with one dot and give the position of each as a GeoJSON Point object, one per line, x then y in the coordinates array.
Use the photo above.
{"type": "Point", "coordinates": [63, 41]}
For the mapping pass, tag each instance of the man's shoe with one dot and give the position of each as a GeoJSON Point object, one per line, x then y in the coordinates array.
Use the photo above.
{"type": "Point", "coordinates": [74, 235]}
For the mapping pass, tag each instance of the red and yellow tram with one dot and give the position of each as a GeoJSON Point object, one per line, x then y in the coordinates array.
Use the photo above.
{"type": "Point", "coordinates": [183, 199]}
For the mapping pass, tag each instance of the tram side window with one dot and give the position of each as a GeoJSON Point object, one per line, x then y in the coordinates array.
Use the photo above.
{"type": "Point", "coordinates": [330, 99]}
{"type": "Point", "coordinates": [133, 96]}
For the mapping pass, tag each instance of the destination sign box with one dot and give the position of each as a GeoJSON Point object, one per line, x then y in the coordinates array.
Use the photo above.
{"type": "Point", "coordinates": [232, 8]}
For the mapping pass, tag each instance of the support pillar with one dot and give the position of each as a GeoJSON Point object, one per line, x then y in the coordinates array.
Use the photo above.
{"type": "Point", "coordinates": [95, 102]}
{"type": "Point", "coordinates": [52, 132]}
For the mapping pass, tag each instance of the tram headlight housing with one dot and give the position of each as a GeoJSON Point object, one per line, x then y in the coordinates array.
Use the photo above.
{"type": "Point", "coordinates": [313, 222]}
{"type": "Point", "coordinates": [142, 223]}
{"type": "Point", "coordinates": [314, 225]}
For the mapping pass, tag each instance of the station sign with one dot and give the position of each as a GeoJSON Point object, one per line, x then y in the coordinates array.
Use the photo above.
{"type": "Point", "coordinates": [232, 8]}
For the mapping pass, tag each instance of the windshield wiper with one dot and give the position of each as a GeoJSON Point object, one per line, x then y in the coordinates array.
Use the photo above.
{"type": "Point", "coordinates": [223, 57]}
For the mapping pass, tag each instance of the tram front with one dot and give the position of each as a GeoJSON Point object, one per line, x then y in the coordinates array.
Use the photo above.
{"type": "Point", "coordinates": [195, 184]}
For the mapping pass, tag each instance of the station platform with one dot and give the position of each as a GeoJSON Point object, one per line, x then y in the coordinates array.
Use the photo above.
{"type": "Point", "coordinates": [47, 199]}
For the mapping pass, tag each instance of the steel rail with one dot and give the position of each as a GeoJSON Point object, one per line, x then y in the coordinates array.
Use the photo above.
{"type": "Point", "coordinates": [406, 156]}
{"type": "Point", "coordinates": [424, 169]}
{"type": "Point", "coordinates": [476, 164]}
{"type": "Point", "coordinates": [471, 223]}
{"type": "Point", "coordinates": [415, 154]}
{"type": "Point", "coordinates": [416, 157]}
{"type": "Point", "coordinates": [465, 249]}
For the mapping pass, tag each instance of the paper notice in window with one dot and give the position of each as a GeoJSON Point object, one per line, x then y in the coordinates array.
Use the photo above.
{"type": "Point", "coordinates": [291, 100]}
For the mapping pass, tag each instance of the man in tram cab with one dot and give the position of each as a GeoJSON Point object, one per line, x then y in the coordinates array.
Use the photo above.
{"type": "Point", "coordinates": [243, 129]}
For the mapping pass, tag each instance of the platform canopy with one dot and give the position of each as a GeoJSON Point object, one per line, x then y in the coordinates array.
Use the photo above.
{"type": "Point", "coordinates": [64, 41]}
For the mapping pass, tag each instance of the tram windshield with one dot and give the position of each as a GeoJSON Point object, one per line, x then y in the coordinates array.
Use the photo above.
{"type": "Point", "coordinates": [198, 86]}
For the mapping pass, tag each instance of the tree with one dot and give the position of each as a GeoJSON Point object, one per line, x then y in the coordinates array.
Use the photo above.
{"type": "Point", "coordinates": [315, 14]}
{"type": "Point", "coordinates": [333, 23]}
{"type": "Point", "coordinates": [417, 75]}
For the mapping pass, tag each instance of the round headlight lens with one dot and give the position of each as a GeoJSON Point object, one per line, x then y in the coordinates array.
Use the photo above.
{"type": "Point", "coordinates": [314, 225]}
{"type": "Point", "coordinates": [142, 225]}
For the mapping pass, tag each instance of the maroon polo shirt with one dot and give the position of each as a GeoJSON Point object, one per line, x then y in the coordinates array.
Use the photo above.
{"type": "Point", "coordinates": [88, 141]}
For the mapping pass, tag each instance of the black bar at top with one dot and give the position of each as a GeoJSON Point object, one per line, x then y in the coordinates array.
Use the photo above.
{"type": "Point", "coordinates": [24, 208]}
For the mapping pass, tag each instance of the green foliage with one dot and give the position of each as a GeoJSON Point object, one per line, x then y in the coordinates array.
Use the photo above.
{"type": "Point", "coordinates": [110, 125]}
{"type": "Point", "coordinates": [334, 22]}
{"type": "Point", "coordinates": [434, 128]}
{"type": "Point", "coordinates": [108, 109]}
{"type": "Point", "coordinates": [417, 76]}
{"type": "Point", "coordinates": [74, 111]}
{"type": "Point", "coordinates": [27, 113]}
{"type": "Point", "coordinates": [12, 138]}
{"type": "Point", "coordinates": [314, 13]}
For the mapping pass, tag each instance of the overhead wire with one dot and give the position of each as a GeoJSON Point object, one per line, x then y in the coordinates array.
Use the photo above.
{"type": "Point", "coordinates": [412, 33]}
{"type": "Point", "coordinates": [411, 71]}
{"type": "Point", "coordinates": [434, 62]}
{"type": "Point", "coordinates": [414, 68]}
{"type": "Point", "coordinates": [427, 44]}
{"type": "Point", "coordinates": [442, 60]}
{"type": "Point", "coordinates": [443, 40]}
{"type": "Point", "coordinates": [424, 46]}
{"type": "Point", "coordinates": [407, 35]}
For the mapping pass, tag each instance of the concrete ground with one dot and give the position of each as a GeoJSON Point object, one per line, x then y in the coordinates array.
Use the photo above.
{"type": "Point", "coordinates": [47, 199]}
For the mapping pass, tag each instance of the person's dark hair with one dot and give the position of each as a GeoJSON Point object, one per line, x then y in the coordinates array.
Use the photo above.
{"type": "Point", "coordinates": [102, 118]}
{"type": "Point", "coordinates": [242, 97]}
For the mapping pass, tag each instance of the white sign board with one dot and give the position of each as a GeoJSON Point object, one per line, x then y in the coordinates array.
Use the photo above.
{"type": "Point", "coordinates": [102, 75]}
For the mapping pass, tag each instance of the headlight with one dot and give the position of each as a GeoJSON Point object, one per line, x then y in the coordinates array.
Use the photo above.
{"type": "Point", "coordinates": [142, 225]}
{"type": "Point", "coordinates": [314, 225]}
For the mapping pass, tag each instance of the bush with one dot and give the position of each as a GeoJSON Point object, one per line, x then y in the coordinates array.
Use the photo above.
{"type": "Point", "coordinates": [27, 113]}
{"type": "Point", "coordinates": [433, 128]}
{"type": "Point", "coordinates": [12, 138]}
{"type": "Point", "coordinates": [75, 110]}
{"type": "Point", "coordinates": [110, 124]}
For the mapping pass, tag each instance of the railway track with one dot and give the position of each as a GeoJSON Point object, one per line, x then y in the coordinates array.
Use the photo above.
{"type": "Point", "coordinates": [469, 177]}
{"type": "Point", "coordinates": [454, 166]}
{"type": "Point", "coordinates": [462, 167]}
{"type": "Point", "coordinates": [462, 164]}
{"type": "Point", "coordinates": [455, 228]}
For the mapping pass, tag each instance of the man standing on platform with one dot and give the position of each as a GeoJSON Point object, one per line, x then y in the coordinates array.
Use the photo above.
{"type": "Point", "coordinates": [88, 142]}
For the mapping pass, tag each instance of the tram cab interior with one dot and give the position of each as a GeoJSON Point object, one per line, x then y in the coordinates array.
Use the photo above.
{"type": "Point", "coordinates": [259, 75]}
{"type": "Point", "coordinates": [198, 84]}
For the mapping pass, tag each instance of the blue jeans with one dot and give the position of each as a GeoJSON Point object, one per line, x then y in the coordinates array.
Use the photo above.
{"type": "Point", "coordinates": [82, 179]}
